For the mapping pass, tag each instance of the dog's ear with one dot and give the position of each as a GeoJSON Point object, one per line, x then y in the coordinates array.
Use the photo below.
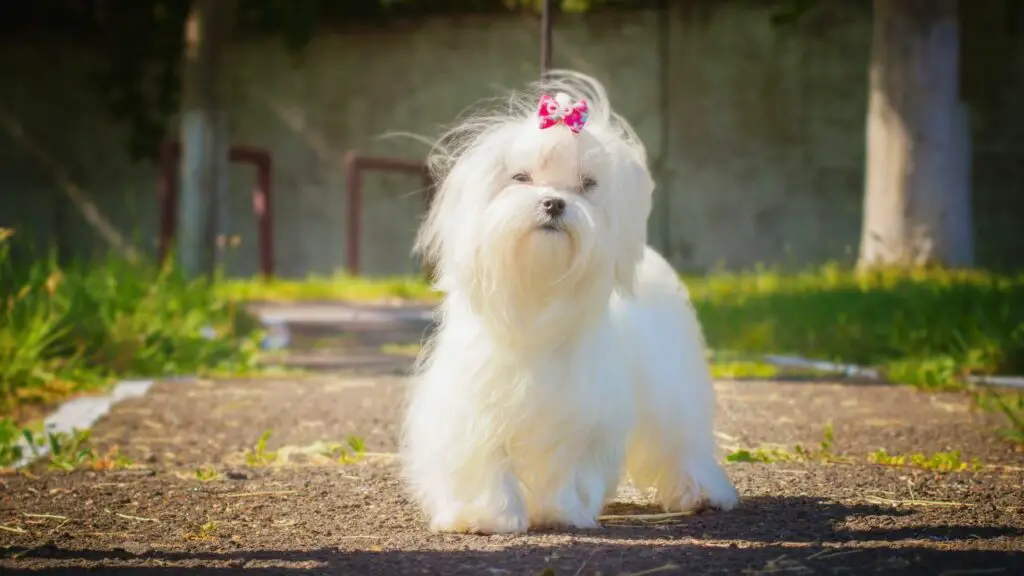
{"type": "Point", "coordinates": [633, 208]}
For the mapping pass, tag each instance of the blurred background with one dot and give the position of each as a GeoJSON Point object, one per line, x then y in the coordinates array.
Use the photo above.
{"type": "Point", "coordinates": [754, 113]}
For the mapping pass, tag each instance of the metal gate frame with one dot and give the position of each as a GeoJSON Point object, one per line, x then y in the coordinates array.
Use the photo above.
{"type": "Point", "coordinates": [355, 163]}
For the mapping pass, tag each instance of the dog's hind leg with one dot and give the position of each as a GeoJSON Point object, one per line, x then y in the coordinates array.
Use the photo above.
{"type": "Point", "coordinates": [672, 449]}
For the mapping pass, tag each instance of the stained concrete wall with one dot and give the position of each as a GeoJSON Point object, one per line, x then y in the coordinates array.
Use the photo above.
{"type": "Point", "coordinates": [758, 155]}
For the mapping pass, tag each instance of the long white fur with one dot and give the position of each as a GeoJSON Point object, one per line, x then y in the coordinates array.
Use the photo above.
{"type": "Point", "coordinates": [563, 359]}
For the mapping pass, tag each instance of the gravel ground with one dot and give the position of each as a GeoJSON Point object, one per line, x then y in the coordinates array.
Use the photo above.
{"type": "Point", "coordinates": [306, 514]}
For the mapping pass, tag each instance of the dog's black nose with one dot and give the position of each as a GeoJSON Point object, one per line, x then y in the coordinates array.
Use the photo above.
{"type": "Point", "coordinates": [552, 206]}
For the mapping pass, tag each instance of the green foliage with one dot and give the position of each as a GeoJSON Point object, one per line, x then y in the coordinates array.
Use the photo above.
{"type": "Point", "coordinates": [137, 74]}
{"type": "Point", "coordinates": [938, 461]}
{"type": "Point", "coordinates": [10, 448]}
{"type": "Point", "coordinates": [139, 44]}
{"type": "Point", "coordinates": [140, 49]}
{"type": "Point", "coordinates": [354, 450]}
{"type": "Point", "coordinates": [70, 329]}
{"type": "Point", "coordinates": [762, 455]}
{"type": "Point", "coordinates": [259, 455]}
{"type": "Point", "coordinates": [1010, 405]}
{"type": "Point", "coordinates": [790, 11]}
{"type": "Point", "coordinates": [206, 474]}
{"type": "Point", "coordinates": [925, 327]}
{"type": "Point", "coordinates": [66, 451]}
{"type": "Point", "coordinates": [797, 454]}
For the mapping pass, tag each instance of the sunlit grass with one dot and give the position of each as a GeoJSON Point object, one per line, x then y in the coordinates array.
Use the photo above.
{"type": "Point", "coordinates": [338, 287]}
{"type": "Point", "coordinates": [71, 329]}
{"type": "Point", "coordinates": [926, 327]}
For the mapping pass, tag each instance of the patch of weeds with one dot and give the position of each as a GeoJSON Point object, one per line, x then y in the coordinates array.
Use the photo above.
{"type": "Point", "coordinates": [11, 450]}
{"type": "Point", "coordinates": [260, 456]}
{"type": "Point", "coordinates": [113, 459]}
{"type": "Point", "coordinates": [1011, 405]}
{"type": "Point", "coordinates": [68, 328]}
{"type": "Point", "coordinates": [68, 451]}
{"type": "Point", "coordinates": [938, 462]}
{"type": "Point", "coordinates": [206, 531]}
{"type": "Point", "coordinates": [825, 446]}
{"type": "Point", "coordinates": [741, 369]}
{"type": "Point", "coordinates": [763, 455]}
{"type": "Point", "coordinates": [797, 454]}
{"type": "Point", "coordinates": [206, 474]}
{"type": "Point", "coordinates": [354, 450]}
{"type": "Point", "coordinates": [71, 451]}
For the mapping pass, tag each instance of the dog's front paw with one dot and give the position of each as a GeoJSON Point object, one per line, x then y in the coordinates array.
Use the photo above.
{"type": "Point", "coordinates": [723, 496]}
{"type": "Point", "coordinates": [468, 521]}
{"type": "Point", "coordinates": [712, 490]}
{"type": "Point", "coordinates": [565, 519]}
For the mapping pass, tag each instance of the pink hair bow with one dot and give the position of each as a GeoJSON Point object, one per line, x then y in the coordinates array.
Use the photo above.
{"type": "Point", "coordinates": [560, 108]}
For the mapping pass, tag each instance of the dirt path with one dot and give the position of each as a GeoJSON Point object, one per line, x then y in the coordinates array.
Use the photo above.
{"type": "Point", "coordinates": [303, 513]}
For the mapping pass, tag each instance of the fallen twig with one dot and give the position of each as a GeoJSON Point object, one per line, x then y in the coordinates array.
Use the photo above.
{"type": "Point", "coordinates": [255, 494]}
{"type": "Point", "coordinates": [130, 517]}
{"type": "Point", "coordinates": [832, 553]}
{"type": "Point", "coordinates": [880, 500]}
{"type": "Point", "coordinates": [665, 568]}
{"type": "Point", "coordinates": [645, 517]}
{"type": "Point", "coordinates": [51, 516]}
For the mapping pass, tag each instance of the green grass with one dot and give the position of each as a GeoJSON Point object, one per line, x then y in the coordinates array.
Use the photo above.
{"type": "Point", "coordinates": [72, 329]}
{"type": "Point", "coordinates": [930, 328]}
{"type": "Point", "coordinates": [338, 287]}
{"type": "Point", "coordinates": [65, 451]}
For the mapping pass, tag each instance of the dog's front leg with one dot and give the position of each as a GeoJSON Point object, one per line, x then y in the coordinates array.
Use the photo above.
{"type": "Point", "coordinates": [582, 492]}
{"type": "Point", "coordinates": [485, 499]}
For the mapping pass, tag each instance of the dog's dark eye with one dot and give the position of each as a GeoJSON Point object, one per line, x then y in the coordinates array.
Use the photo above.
{"type": "Point", "coordinates": [522, 177]}
{"type": "Point", "coordinates": [587, 184]}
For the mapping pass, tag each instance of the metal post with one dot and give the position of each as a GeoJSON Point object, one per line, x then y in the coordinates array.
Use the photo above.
{"type": "Point", "coordinates": [262, 206]}
{"type": "Point", "coordinates": [545, 38]}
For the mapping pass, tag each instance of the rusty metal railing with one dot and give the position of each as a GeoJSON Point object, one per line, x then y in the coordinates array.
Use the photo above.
{"type": "Point", "coordinates": [262, 205]}
{"type": "Point", "coordinates": [355, 165]}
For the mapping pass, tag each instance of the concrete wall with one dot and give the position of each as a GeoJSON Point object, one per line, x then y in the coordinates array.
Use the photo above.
{"type": "Point", "coordinates": [759, 155]}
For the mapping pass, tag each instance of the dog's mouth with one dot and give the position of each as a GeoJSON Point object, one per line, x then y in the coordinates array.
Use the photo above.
{"type": "Point", "coordinates": [551, 225]}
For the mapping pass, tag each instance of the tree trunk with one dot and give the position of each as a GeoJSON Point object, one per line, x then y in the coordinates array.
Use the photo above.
{"type": "Point", "coordinates": [917, 209]}
{"type": "Point", "coordinates": [204, 135]}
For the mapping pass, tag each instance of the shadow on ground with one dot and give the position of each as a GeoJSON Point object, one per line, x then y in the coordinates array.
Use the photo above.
{"type": "Point", "coordinates": [791, 535]}
{"type": "Point", "coordinates": [687, 559]}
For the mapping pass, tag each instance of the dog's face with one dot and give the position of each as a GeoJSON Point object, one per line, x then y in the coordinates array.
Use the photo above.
{"type": "Point", "coordinates": [533, 215]}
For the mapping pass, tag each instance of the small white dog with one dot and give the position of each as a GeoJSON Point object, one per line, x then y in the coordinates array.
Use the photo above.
{"type": "Point", "coordinates": [568, 351]}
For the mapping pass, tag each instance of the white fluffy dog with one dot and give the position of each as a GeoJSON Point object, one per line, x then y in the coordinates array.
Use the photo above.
{"type": "Point", "coordinates": [568, 351]}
